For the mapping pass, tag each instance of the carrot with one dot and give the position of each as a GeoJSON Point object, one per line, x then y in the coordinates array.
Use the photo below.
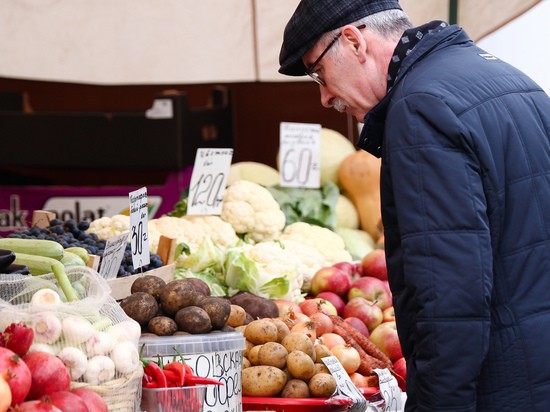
{"type": "Point", "coordinates": [369, 347]}
{"type": "Point", "coordinates": [368, 363]}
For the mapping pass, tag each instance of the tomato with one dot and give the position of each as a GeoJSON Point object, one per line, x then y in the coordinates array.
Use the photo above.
{"type": "Point", "coordinates": [16, 373]}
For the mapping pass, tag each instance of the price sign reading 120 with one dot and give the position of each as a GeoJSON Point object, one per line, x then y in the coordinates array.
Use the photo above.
{"type": "Point", "coordinates": [299, 155]}
{"type": "Point", "coordinates": [208, 181]}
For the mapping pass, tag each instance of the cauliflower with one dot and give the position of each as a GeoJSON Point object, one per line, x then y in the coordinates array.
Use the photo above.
{"type": "Point", "coordinates": [327, 242]}
{"type": "Point", "coordinates": [108, 227]}
{"type": "Point", "coordinates": [191, 230]}
{"type": "Point", "coordinates": [311, 260]}
{"type": "Point", "coordinates": [265, 269]}
{"type": "Point", "coordinates": [252, 210]}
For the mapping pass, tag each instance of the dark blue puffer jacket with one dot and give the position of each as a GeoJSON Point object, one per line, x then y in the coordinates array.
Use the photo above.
{"type": "Point", "coordinates": [465, 185]}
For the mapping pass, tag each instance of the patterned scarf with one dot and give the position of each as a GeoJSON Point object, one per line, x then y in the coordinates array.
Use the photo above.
{"type": "Point", "coordinates": [409, 40]}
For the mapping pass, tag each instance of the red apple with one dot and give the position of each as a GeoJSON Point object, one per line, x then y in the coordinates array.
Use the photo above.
{"type": "Point", "coordinates": [313, 305]}
{"type": "Point", "coordinates": [336, 300]}
{"type": "Point", "coordinates": [366, 310]}
{"type": "Point", "coordinates": [331, 279]}
{"type": "Point", "coordinates": [388, 314]}
{"type": "Point", "coordinates": [400, 368]}
{"type": "Point", "coordinates": [374, 264]}
{"type": "Point", "coordinates": [347, 267]}
{"type": "Point", "coordinates": [358, 324]}
{"type": "Point", "coordinates": [372, 289]}
{"type": "Point", "coordinates": [94, 401]}
{"type": "Point", "coordinates": [385, 337]}
{"type": "Point", "coordinates": [284, 305]}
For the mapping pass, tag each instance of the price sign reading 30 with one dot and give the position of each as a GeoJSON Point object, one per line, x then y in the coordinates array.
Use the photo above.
{"type": "Point", "coordinates": [208, 181]}
{"type": "Point", "coordinates": [138, 227]}
{"type": "Point", "coordinates": [299, 155]}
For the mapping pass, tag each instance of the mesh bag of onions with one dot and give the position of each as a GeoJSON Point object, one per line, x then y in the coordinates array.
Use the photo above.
{"type": "Point", "coordinates": [91, 334]}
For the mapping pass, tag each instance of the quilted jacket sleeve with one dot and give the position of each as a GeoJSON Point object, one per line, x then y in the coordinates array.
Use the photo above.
{"type": "Point", "coordinates": [441, 264]}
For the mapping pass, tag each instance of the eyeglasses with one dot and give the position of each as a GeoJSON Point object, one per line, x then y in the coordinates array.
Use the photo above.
{"type": "Point", "coordinates": [314, 75]}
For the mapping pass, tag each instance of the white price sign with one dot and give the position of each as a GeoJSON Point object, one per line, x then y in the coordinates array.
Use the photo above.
{"type": "Point", "coordinates": [139, 238]}
{"type": "Point", "coordinates": [112, 256]}
{"type": "Point", "coordinates": [344, 385]}
{"type": "Point", "coordinates": [390, 391]}
{"type": "Point", "coordinates": [208, 181]}
{"type": "Point", "coordinates": [299, 155]}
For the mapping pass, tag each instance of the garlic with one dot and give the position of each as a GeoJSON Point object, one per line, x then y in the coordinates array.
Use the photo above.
{"type": "Point", "coordinates": [100, 369]}
{"type": "Point", "coordinates": [125, 357]}
{"type": "Point", "coordinates": [77, 330]}
{"type": "Point", "coordinates": [100, 343]}
{"type": "Point", "coordinates": [45, 296]}
{"type": "Point", "coordinates": [47, 327]}
{"type": "Point", "coordinates": [75, 360]}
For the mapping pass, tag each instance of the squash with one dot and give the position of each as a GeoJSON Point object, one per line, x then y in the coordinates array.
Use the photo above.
{"type": "Point", "coordinates": [359, 178]}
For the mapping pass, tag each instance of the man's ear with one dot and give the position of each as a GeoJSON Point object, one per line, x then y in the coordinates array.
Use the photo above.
{"type": "Point", "coordinates": [354, 39]}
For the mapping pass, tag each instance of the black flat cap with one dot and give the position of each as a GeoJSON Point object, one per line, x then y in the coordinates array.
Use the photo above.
{"type": "Point", "coordinates": [313, 18]}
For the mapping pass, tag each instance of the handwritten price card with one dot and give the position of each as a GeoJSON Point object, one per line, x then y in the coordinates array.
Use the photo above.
{"type": "Point", "coordinates": [390, 390]}
{"type": "Point", "coordinates": [138, 227]}
{"type": "Point", "coordinates": [112, 256]}
{"type": "Point", "coordinates": [208, 181]}
{"type": "Point", "coordinates": [299, 155]}
{"type": "Point", "coordinates": [344, 385]}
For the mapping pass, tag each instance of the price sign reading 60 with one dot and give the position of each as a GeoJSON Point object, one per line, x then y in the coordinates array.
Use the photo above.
{"type": "Point", "coordinates": [299, 154]}
{"type": "Point", "coordinates": [139, 238]}
{"type": "Point", "coordinates": [208, 181]}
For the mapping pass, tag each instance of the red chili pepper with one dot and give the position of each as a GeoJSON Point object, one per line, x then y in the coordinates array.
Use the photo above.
{"type": "Point", "coordinates": [148, 382]}
{"type": "Point", "coordinates": [176, 371]}
{"type": "Point", "coordinates": [18, 338]}
{"type": "Point", "coordinates": [197, 380]}
{"type": "Point", "coordinates": [155, 372]}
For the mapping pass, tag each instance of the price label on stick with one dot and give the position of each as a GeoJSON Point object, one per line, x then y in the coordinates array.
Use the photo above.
{"type": "Point", "coordinates": [344, 385]}
{"type": "Point", "coordinates": [139, 237]}
{"type": "Point", "coordinates": [390, 391]}
{"type": "Point", "coordinates": [112, 256]}
{"type": "Point", "coordinates": [299, 155]}
{"type": "Point", "coordinates": [208, 181]}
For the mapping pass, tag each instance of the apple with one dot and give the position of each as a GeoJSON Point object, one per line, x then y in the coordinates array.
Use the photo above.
{"type": "Point", "coordinates": [336, 300]}
{"type": "Point", "coordinates": [400, 368]}
{"type": "Point", "coordinates": [366, 310]}
{"type": "Point", "coordinates": [358, 324]}
{"type": "Point", "coordinates": [374, 264]}
{"type": "Point", "coordinates": [385, 337]}
{"type": "Point", "coordinates": [330, 279]}
{"type": "Point", "coordinates": [348, 268]}
{"type": "Point", "coordinates": [284, 305]}
{"type": "Point", "coordinates": [313, 305]}
{"type": "Point", "coordinates": [388, 314]}
{"type": "Point", "coordinates": [372, 289]}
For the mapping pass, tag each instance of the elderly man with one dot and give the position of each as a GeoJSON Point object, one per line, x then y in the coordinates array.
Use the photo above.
{"type": "Point", "coordinates": [465, 184]}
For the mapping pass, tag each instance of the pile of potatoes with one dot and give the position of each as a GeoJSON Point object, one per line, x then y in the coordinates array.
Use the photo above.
{"type": "Point", "coordinates": [179, 307]}
{"type": "Point", "coordinates": [278, 362]}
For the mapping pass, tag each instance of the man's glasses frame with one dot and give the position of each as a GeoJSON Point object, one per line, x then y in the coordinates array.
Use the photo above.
{"type": "Point", "coordinates": [314, 75]}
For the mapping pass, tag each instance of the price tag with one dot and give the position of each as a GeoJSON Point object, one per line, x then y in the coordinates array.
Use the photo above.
{"type": "Point", "coordinates": [161, 109]}
{"type": "Point", "coordinates": [139, 237]}
{"type": "Point", "coordinates": [112, 256]}
{"type": "Point", "coordinates": [208, 181]}
{"type": "Point", "coordinates": [390, 391]}
{"type": "Point", "coordinates": [344, 385]}
{"type": "Point", "coordinates": [299, 155]}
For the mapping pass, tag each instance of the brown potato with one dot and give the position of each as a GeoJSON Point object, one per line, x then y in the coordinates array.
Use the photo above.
{"type": "Point", "coordinates": [300, 365]}
{"type": "Point", "coordinates": [300, 342]}
{"type": "Point", "coordinates": [193, 319]}
{"type": "Point", "coordinates": [321, 351]}
{"type": "Point", "coordinates": [246, 363]}
{"type": "Point", "coordinates": [177, 294]}
{"type": "Point", "coordinates": [261, 331]}
{"type": "Point", "coordinates": [141, 307]}
{"type": "Point", "coordinates": [322, 385]}
{"type": "Point", "coordinates": [263, 381]}
{"type": "Point", "coordinates": [320, 368]}
{"type": "Point", "coordinates": [273, 354]}
{"type": "Point", "coordinates": [282, 329]}
{"type": "Point", "coordinates": [150, 284]}
{"type": "Point", "coordinates": [254, 355]}
{"type": "Point", "coordinates": [295, 388]}
{"type": "Point", "coordinates": [237, 316]}
{"type": "Point", "coordinates": [248, 345]}
{"type": "Point", "coordinates": [218, 309]}
{"type": "Point", "coordinates": [162, 326]}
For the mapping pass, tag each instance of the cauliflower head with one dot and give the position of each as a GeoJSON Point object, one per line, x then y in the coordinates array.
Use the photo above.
{"type": "Point", "coordinates": [251, 209]}
{"type": "Point", "coordinates": [328, 243]}
{"type": "Point", "coordinates": [108, 227]}
{"type": "Point", "coordinates": [310, 260]}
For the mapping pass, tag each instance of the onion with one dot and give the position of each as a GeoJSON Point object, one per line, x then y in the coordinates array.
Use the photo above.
{"type": "Point", "coordinates": [348, 356]}
{"type": "Point", "coordinates": [331, 339]}
{"type": "Point", "coordinates": [323, 323]}
{"type": "Point", "coordinates": [291, 318]}
{"type": "Point", "coordinates": [306, 327]}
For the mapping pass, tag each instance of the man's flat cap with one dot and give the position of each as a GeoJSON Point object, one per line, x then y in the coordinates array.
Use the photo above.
{"type": "Point", "coordinates": [313, 18]}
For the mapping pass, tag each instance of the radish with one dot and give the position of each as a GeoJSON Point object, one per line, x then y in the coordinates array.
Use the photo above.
{"type": "Point", "coordinates": [67, 401]}
{"type": "Point", "coordinates": [48, 372]}
{"type": "Point", "coordinates": [36, 406]}
{"type": "Point", "coordinates": [94, 401]}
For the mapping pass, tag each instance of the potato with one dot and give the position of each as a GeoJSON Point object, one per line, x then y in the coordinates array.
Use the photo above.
{"type": "Point", "coordinates": [256, 306]}
{"type": "Point", "coordinates": [295, 388]}
{"type": "Point", "coordinates": [193, 319]}
{"type": "Point", "coordinates": [237, 316]}
{"type": "Point", "coordinates": [218, 309]}
{"type": "Point", "coordinates": [246, 363]}
{"type": "Point", "coordinates": [299, 341]}
{"type": "Point", "coordinates": [150, 284]}
{"type": "Point", "coordinates": [273, 354]}
{"type": "Point", "coordinates": [162, 326]}
{"type": "Point", "coordinates": [263, 381]}
{"type": "Point", "coordinates": [177, 294]}
{"type": "Point", "coordinates": [320, 368]}
{"type": "Point", "coordinates": [282, 329]}
{"type": "Point", "coordinates": [261, 331]}
{"type": "Point", "coordinates": [254, 355]}
{"type": "Point", "coordinates": [322, 385]}
{"type": "Point", "coordinates": [248, 345]}
{"type": "Point", "coordinates": [321, 351]}
{"type": "Point", "coordinates": [300, 365]}
{"type": "Point", "coordinates": [141, 307]}
{"type": "Point", "coordinates": [200, 285]}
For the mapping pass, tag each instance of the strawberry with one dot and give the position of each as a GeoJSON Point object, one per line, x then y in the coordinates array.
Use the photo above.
{"type": "Point", "coordinates": [18, 338]}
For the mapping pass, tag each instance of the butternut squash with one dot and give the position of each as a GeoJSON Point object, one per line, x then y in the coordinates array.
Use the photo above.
{"type": "Point", "coordinates": [359, 178]}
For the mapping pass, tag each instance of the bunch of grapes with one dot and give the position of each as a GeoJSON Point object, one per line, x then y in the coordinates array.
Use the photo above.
{"type": "Point", "coordinates": [72, 234]}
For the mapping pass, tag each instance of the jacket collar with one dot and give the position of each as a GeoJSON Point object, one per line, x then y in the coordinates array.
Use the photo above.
{"type": "Point", "coordinates": [372, 133]}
